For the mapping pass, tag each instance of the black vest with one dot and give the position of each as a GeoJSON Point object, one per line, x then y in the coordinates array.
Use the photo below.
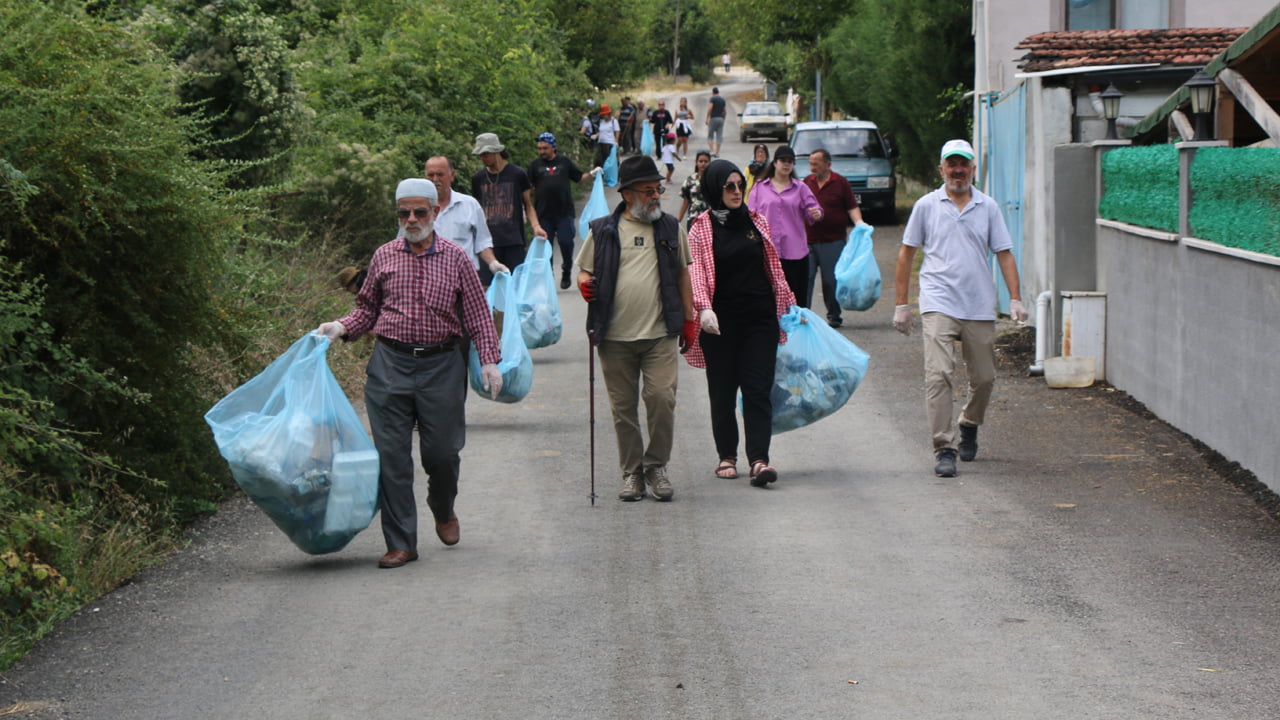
{"type": "Point", "coordinates": [608, 249]}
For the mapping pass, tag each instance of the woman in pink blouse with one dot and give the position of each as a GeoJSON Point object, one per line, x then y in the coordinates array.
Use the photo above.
{"type": "Point", "coordinates": [789, 205]}
{"type": "Point", "coordinates": [739, 292]}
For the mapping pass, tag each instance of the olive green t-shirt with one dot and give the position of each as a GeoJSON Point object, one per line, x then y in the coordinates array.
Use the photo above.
{"type": "Point", "coordinates": [637, 301]}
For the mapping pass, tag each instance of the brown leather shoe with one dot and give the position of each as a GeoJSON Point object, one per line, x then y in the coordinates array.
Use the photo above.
{"type": "Point", "coordinates": [396, 558]}
{"type": "Point", "coordinates": [448, 531]}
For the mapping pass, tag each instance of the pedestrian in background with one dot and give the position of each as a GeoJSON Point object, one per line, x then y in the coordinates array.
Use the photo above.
{"type": "Point", "coordinates": [684, 126]}
{"type": "Point", "coordinates": [420, 296]}
{"type": "Point", "coordinates": [739, 292]}
{"type": "Point", "coordinates": [715, 122]}
{"type": "Point", "coordinates": [633, 271]}
{"type": "Point", "coordinates": [552, 176]}
{"type": "Point", "coordinates": [827, 237]}
{"type": "Point", "coordinates": [755, 170]}
{"type": "Point", "coordinates": [669, 155]}
{"type": "Point", "coordinates": [788, 205]}
{"type": "Point", "coordinates": [459, 217]}
{"type": "Point", "coordinates": [626, 128]}
{"type": "Point", "coordinates": [505, 193]}
{"type": "Point", "coordinates": [606, 136]}
{"type": "Point", "coordinates": [956, 225]}
{"type": "Point", "coordinates": [660, 123]}
{"type": "Point", "coordinates": [692, 204]}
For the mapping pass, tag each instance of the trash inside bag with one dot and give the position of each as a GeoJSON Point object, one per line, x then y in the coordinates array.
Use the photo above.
{"type": "Point", "coordinates": [596, 207]}
{"type": "Point", "coordinates": [539, 304]}
{"type": "Point", "coordinates": [516, 365]}
{"type": "Point", "coordinates": [857, 275]}
{"type": "Point", "coordinates": [646, 139]}
{"type": "Point", "coordinates": [610, 168]}
{"type": "Point", "coordinates": [816, 373]}
{"type": "Point", "coordinates": [298, 450]}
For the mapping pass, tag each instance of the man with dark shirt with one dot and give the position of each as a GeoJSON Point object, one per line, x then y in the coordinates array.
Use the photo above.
{"type": "Point", "coordinates": [660, 122]}
{"type": "Point", "coordinates": [715, 122]}
{"type": "Point", "coordinates": [626, 116]}
{"type": "Point", "coordinates": [506, 195]}
{"type": "Point", "coordinates": [827, 236]}
{"type": "Point", "coordinates": [552, 175]}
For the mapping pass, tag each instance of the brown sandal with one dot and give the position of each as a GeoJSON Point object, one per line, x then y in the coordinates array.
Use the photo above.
{"type": "Point", "coordinates": [762, 474]}
{"type": "Point", "coordinates": [727, 469]}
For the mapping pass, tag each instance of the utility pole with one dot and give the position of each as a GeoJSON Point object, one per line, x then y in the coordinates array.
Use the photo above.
{"type": "Point", "coordinates": [675, 48]}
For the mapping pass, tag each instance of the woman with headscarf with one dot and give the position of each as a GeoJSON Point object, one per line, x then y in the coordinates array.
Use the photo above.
{"type": "Point", "coordinates": [789, 205]}
{"type": "Point", "coordinates": [739, 292]}
{"type": "Point", "coordinates": [755, 170]}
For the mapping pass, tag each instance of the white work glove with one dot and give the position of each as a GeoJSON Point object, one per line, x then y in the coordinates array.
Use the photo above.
{"type": "Point", "coordinates": [496, 267]}
{"type": "Point", "coordinates": [863, 225]}
{"type": "Point", "coordinates": [491, 379]}
{"type": "Point", "coordinates": [332, 330]}
{"type": "Point", "coordinates": [902, 320]}
{"type": "Point", "coordinates": [709, 322]}
{"type": "Point", "coordinates": [596, 171]}
{"type": "Point", "coordinates": [1017, 311]}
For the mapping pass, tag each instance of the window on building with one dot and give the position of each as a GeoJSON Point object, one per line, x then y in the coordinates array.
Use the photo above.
{"type": "Point", "coordinates": [1123, 14]}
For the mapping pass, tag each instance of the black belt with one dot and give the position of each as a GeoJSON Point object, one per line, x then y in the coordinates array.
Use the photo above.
{"type": "Point", "coordinates": [419, 351]}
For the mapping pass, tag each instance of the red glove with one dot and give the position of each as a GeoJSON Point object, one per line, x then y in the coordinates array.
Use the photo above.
{"type": "Point", "coordinates": [588, 289]}
{"type": "Point", "coordinates": [690, 333]}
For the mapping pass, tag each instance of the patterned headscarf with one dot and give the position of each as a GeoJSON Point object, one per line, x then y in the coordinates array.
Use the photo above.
{"type": "Point", "coordinates": [548, 138]}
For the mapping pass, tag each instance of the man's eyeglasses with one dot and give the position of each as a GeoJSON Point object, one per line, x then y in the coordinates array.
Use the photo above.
{"type": "Point", "coordinates": [417, 212]}
{"type": "Point", "coordinates": [739, 186]}
{"type": "Point", "coordinates": [649, 192]}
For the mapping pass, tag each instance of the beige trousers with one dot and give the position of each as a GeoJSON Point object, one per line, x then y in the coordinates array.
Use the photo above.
{"type": "Point", "coordinates": [977, 339]}
{"type": "Point", "coordinates": [635, 370]}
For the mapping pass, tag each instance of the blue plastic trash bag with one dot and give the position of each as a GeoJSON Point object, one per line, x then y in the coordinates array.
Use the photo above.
{"type": "Point", "coordinates": [539, 304]}
{"type": "Point", "coordinates": [298, 450]}
{"type": "Point", "coordinates": [610, 169]}
{"type": "Point", "coordinates": [516, 365]}
{"type": "Point", "coordinates": [857, 275]}
{"type": "Point", "coordinates": [646, 139]}
{"type": "Point", "coordinates": [816, 373]}
{"type": "Point", "coordinates": [596, 207]}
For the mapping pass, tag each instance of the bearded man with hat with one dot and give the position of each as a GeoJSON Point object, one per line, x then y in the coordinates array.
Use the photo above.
{"type": "Point", "coordinates": [956, 225]}
{"type": "Point", "coordinates": [416, 376]}
{"type": "Point", "coordinates": [634, 274]}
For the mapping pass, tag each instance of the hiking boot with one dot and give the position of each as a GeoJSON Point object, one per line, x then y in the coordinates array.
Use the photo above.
{"type": "Point", "coordinates": [564, 279]}
{"type": "Point", "coordinates": [968, 442]}
{"type": "Point", "coordinates": [659, 485]}
{"type": "Point", "coordinates": [632, 487]}
{"type": "Point", "coordinates": [946, 466]}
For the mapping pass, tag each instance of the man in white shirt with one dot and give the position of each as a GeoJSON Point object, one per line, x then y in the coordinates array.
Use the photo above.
{"type": "Point", "coordinates": [956, 225]}
{"type": "Point", "coordinates": [459, 217]}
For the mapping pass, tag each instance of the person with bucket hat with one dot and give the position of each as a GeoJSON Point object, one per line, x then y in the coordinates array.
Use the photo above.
{"type": "Point", "coordinates": [419, 298]}
{"type": "Point", "coordinates": [956, 225]}
{"type": "Point", "coordinates": [634, 275]}
{"type": "Point", "coordinates": [505, 193]}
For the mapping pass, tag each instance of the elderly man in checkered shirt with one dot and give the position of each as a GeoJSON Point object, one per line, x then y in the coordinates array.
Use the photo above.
{"type": "Point", "coordinates": [416, 376]}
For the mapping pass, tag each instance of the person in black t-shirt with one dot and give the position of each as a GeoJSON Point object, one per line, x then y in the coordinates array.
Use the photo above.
{"type": "Point", "coordinates": [660, 122]}
{"type": "Point", "coordinates": [506, 195]}
{"type": "Point", "coordinates": [552, 176]}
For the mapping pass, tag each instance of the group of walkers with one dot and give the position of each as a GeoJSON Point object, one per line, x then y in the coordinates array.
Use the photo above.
{"type": "Point", "coordinates": [670, 132]}
{"type": "Point", "coordinates": [711, 284]}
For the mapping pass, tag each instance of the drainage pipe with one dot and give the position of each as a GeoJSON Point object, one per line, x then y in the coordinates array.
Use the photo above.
{"type": "Point", "coordinates": [1042, 331]}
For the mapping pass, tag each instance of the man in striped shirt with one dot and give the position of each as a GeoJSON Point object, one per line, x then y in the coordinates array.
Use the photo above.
{"type": "Point", "coordinates": [420, 295]}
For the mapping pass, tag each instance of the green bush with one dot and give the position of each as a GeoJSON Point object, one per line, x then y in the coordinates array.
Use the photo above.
{"type": "Point", "coordinates": [1221, 213]}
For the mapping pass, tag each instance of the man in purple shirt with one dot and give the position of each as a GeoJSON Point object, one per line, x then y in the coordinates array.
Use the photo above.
{"type": "Point", "coordinates": [416, 376]}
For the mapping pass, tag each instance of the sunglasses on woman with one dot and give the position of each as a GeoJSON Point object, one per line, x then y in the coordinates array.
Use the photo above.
{"type": "Point", "coordinates": [739, 186]}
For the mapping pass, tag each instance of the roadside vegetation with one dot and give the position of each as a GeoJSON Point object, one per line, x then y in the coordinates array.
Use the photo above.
{"type": "Point", "coordinates": [180, 181]}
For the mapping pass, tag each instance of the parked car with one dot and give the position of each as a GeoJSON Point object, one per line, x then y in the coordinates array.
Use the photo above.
{"type": "Point", "coordinates": [858, 152]}
{"type": "Point", "coordinates": [763, 118]}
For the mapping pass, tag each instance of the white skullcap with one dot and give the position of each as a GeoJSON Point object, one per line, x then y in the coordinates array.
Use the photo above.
{"type": "Point", "coordinates": [416, 187]}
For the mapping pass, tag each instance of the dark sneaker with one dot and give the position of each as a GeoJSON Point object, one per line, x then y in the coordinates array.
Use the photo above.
{"type": "Point", "coordinates": [968, 442]}
{"type": "Point", "coordinates": [564, 280]}
{"type": "Point", "coordinates": [659, 485]}
{"type": "Point", "coordinates": [946, 466]}
{"type": "Point", "coordinates": [632, 487]}
{"type": "Point", "coordinates": [835, 322]}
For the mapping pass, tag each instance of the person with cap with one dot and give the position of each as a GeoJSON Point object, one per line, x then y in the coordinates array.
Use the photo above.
{"type": "Point", "coordinates": [660, 122]}
{"type": "Point", "coordinates": [789, 205]}
{"type": "Point", "coordinates": [505, 193]}
{"type": "Point", "coordinates": [739, 292]}
{"type": "Point", "coordinates": [715, 122]}
{"type": "Point", "coordinates": [633, 271]}
{"type": "Point", "coordinates": [459, 217]}
{"type": "Point", "coordinates": [605, 136]}
{"type": "Point", "coordinates": [552, 175]}
{"type": "Point", "coordinates": [956, 225]}
{"type": "Point", "coordinates": [828, 236]}
{"type": "Point", "coordinates": [420, 296]}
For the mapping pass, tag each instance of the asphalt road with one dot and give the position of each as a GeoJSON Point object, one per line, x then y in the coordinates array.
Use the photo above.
{"type": "Point", "coordinates": [1087, 565]}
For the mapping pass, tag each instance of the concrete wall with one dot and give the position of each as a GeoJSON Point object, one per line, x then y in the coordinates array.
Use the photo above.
{"type": "Point", "coordinates": [1048, 126]}
{"type": "Point", "coordinates": [1192, 334]}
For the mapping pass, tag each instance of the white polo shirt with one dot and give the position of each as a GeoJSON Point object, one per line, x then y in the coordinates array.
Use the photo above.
{"type": "Point", "coordinates": [462, 222]}
{"type": "Point", "coordinates": [955, 276]}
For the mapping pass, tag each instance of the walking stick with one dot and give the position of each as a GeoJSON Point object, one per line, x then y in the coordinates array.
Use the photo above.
{"type": "Point", "coordinates": [591, 384]}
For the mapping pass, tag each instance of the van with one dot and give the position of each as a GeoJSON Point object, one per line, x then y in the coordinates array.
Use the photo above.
{"type": "Point", "coordinates": [858, 152]}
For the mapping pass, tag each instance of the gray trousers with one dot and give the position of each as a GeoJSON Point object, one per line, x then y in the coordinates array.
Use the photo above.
{"type": "Point", "coordinates": [825, 256]}
{"type": "Point", "coordinates": [402, 392]}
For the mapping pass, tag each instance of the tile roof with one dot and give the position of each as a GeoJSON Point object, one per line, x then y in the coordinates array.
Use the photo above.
{"type": "Point", "coordinates": [1081, 48]}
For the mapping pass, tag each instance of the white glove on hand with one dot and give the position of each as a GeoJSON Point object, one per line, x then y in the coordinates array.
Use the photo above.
{"type": "Point", "coordinates": [902, 320]}
{"type": "Point", "coordinates": [496, 267]}
{"type": "Point", "coordinates": [596, 171]}
{"type": "Point", "coordinates": [332, 330]}
{"type": "Point", "coordinates": [1017, 311]}
{"type": "Point", "coordinates": [709, 322]}
{"type": "Point", "coordinates": [491, 379]}
{"type": "Point", "coordinates": [863, 225]}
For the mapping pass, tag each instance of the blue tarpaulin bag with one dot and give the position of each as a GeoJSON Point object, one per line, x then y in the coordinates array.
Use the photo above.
{"type": "Point", "coordinates": [539, 304]}
{"type": "Point", "coordinates": [610, 169]}
{"type": "Point", "coordinates": [596, 207]}
{"type": "Point", "coordinates": [646, 139]}
{"type": "Point", "coordinates": [816, 373]}
{"type": "Point", "coordinates": [298, 450]}
{"type": "Point", "coordinates": [857, 275]}
{"type": "Point", "coordinates": [516, 365]}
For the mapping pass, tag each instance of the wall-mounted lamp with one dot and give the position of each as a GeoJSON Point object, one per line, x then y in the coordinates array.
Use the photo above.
{"type": "Point", "coordinates": [1111, 109]}
{"type": "Point", "coordinates": [1202, 88]}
